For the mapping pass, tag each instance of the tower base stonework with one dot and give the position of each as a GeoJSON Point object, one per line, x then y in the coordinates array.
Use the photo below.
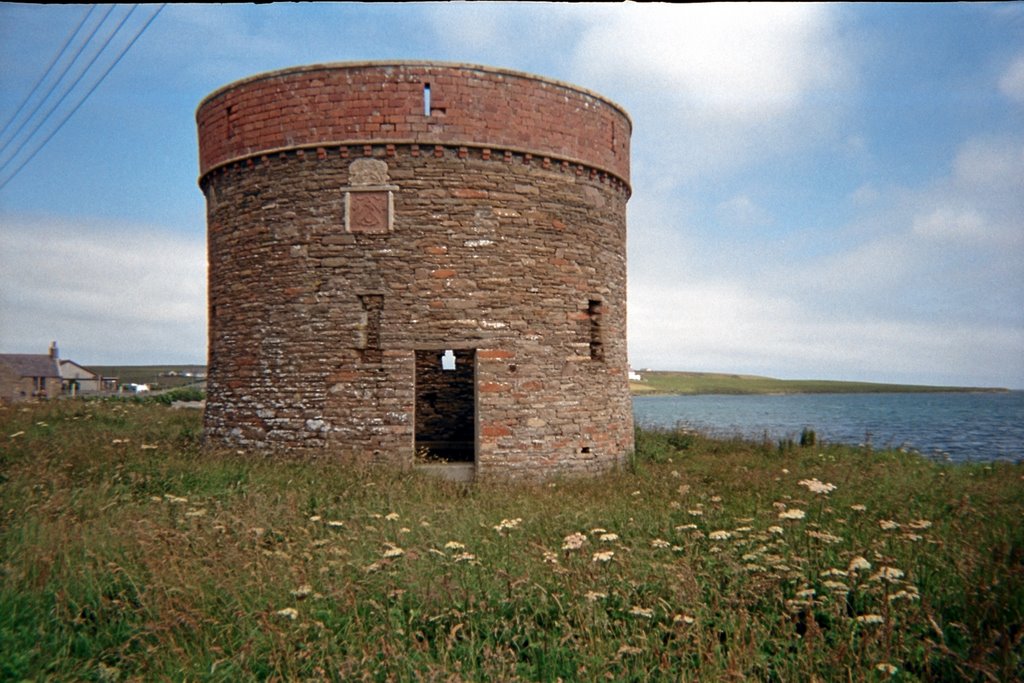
{"type": "Point", "coordinates": [418, 263]}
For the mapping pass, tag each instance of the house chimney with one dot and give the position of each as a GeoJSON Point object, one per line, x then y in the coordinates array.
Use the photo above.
{"type": "Point", "coordinates": [53, 350]}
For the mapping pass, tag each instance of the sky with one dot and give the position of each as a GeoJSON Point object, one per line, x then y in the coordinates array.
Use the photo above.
{"type": "Point", "coordinates": [827, 191]}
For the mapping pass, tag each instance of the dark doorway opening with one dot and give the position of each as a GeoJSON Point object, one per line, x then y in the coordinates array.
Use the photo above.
{"type": "Point", "coordinates": [446, 406]}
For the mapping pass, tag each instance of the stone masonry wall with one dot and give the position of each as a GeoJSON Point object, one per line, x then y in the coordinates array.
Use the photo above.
{"type": "Point", "coordinates": [330, 266]}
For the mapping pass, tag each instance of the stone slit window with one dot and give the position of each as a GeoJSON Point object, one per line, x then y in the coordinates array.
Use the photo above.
{"type": "Point", "coordinates": [373, 307]}
{"type": "Point", "coordinates": [426, 99]}
{"type": "Point", "coordinates": [594, 313]}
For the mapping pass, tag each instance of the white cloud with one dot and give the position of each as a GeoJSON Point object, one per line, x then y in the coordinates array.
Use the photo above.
{"type": "Point", "coordinates": [108, 293]}
{"type": "Point", "coordinates": [716, 87]}
{"type": "Point", "coordinates": [990, 163]}
{"type": "Point", "coordinates": [951, 223]}
{"type": "Point", "coordinates": [1011, 83]}
{"type": "Point", "coordinates": [741, 211]}
{"type": "Point", "coordinates": [865, 194]}
{"type": "Point", "coordinates": [923, 284]}
{"type": "Point", "coordinates": [737, 61]}
{"type": "Point", "coordinates": [711, 326]}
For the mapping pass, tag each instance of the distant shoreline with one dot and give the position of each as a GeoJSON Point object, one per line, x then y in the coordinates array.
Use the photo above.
{"type": "Point", "coordinates": [655, 383]}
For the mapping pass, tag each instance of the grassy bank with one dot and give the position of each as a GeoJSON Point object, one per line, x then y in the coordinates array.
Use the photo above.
{"type": "Point", "coordinates": [126, 553]}
{"type": "Point", "coordinates": [720, 383]}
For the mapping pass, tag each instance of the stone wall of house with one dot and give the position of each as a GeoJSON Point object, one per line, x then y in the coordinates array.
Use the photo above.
{"type": "Point", "coordinates": [350, 226]}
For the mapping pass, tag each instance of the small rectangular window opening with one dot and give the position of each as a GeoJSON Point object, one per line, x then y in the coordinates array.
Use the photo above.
{"type": "Point", "coordinates": [594, 307]}
{"type": "Point", "coordinates": [426, 99]}
{"type": "Point", "coordinates": [448, 360]}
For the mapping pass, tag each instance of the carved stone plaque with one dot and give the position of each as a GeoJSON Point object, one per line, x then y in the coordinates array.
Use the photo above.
{"type": "Point", "coordinates": [369, 197]}
{"type": "Point", "coordinates": [369, 211]}
{"type": "Point", "coordinates": [362, 172]}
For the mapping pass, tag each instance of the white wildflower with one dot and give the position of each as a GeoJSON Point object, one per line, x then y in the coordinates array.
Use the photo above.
{"type": "Point", "coordinates": [775, 530]}
{"type": "Point", "coordinates": [720, 535]}
{"type": "Point", "coordinates": [594, 596]}
{"type": "Point", "coordinates": [288, 613]}
{"type": "Point", "coordinates": [792, 514]}
{"type": "Point", "coordinates": [644, 612]}
{"type": "Point", "coordinates": [391, 516]}
{"type": "Point", "coordinates": [870, 619]}
{"type": "Point", "coordinates": [507, 525]}
{"type": "Point", "coordinates": [823, 536]}
{"type": "Point", "coordinates": [816, 486]}
{"type": "Point", "coordinates": [888, 524]}
{"type": "Point", "coordinates": [603, 556]}
{"type": "Point", "coordinates": [887, 574]}
{"type": "Point", "coordinates": [859, 564]}
{"type": "Point", "coordinates": [454, 545]}
{"type": "Point", "coordinates": [920, 524]}
{"type": "Point", "coordinates": [573, 541]}
{"type": "Point", "coordinates": [393, 551]}
{"type": "Point", "coordinates": [859, 508]}
{"type": "Point", "coordinates": [302, 592]}
{"type": "Point", "coordinates": [609, 538]}
{"type": "Point", "coordinates": [659, 543]}
{"type": "Point", "coordinates": [908, 595]}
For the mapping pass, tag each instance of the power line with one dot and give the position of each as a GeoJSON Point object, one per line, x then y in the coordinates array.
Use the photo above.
{"type": "Point", "coordinates": [57, 82]}
{"type": "Point", "coordinates": [110, 68]}
{"type": "Point", "coordinates": [78, 79]}
{"type": "Point", "coordinates": [42, 78]}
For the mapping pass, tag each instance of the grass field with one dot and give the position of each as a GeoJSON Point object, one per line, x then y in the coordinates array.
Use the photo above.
{"type": "Point", "coordinates": [128, 553]}
{"type": "Point", "coordinates": [720, 383]}
{"type": "Point", "coordinates": [158, 377]}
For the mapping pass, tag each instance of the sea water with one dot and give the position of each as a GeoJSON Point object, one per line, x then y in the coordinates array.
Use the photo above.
{"type": "Point", "coordinates": [953, 426]}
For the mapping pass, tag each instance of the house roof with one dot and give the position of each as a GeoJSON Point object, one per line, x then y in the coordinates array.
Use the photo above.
{"type": "Point", "coordinates": [67, 370]}
{"type": "Point", "coordinates": [31, 364]}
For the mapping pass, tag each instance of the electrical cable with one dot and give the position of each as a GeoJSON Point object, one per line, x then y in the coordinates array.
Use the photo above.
{"type": "Point", "coordinates": [42, 78]}
{"type": "Point", "coordinates": [56, 83]}
{"type": "Point", "coordinates": [82, 101]}
{"type": "Point", "coordinates": [67, 92]}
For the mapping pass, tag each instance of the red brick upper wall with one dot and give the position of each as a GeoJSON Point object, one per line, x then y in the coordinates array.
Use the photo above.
{"type": "Point", "coordinates": [375, 101]}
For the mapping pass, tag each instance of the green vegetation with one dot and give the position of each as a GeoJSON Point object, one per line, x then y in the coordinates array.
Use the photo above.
{"type": "Point", "coordinates": [127, 553]}
{"type": "Point", "coordinates": [718, 383]}
{"type": "Point", "coordinates": [156, 376]}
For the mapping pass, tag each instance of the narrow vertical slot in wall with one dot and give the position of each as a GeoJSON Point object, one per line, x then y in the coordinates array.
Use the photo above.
{"type": "Point", "coordinates": [594, 312]}
{"type": "Point", "coordinates": [426, 99]}
{"type": "Point", "coordinates": [373, 307]}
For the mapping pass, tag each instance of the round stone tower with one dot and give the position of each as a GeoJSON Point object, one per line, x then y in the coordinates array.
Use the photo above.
{"type": "Point", "coordinates": [418, 263]}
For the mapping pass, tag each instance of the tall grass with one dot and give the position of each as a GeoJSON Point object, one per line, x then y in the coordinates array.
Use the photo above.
{"type": "Point", "coordinates": [127, 552]}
